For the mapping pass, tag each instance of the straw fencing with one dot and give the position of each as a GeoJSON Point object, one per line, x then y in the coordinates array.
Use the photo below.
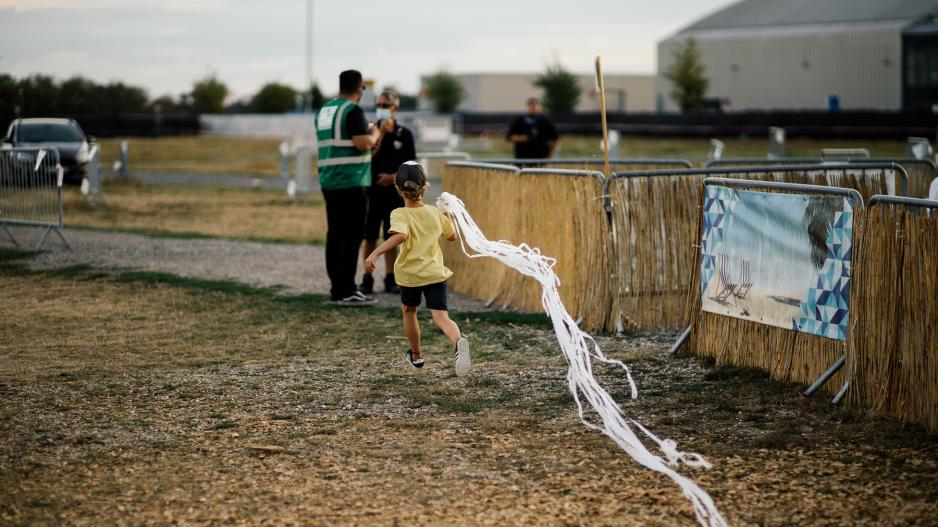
{"type": "Point", "coordinates": [560, 212]}
{"type": "Point", "coordinates": [893, 343]}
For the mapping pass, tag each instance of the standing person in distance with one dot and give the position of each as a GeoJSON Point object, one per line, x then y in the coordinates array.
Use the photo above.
{"type": "Point", "coordinates": [345, 142]}
{"type": "Point", "coordinates": [417, 229]}
{"type": "Point", "coordinates": [533, 135]}
{"type": "Point", "coordinates": [396, 147]}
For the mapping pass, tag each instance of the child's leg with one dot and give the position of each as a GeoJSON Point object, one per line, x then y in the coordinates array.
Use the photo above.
{"type": "Point", "coordinates": [442, 321]}
{"type": "Point", "coordinates": [412, 329]}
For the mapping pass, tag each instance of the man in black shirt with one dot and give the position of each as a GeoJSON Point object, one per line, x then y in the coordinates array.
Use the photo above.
{"type": "Point", "coordinates": [396, 147]}
{"type": "Point", "coordinates": [533, 135]}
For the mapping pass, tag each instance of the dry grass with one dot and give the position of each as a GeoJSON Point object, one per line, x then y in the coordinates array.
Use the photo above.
{"type": "Point", "coordinates": [258, 156]}
{"type": "Point", "coordinates": [226, 213]}
{"type": "Point", "coordinates": [200, 154]}
{"type": "Point", "coordinates": [132, 402]}
{"type": "Point", "coordinates": [696, 148]}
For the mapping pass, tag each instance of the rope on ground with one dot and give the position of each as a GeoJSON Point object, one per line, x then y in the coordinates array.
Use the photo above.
{"type": "Point", "coordinates": [580, 350]}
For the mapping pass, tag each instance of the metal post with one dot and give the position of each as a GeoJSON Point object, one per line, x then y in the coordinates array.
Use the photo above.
{"type": "Point", "coordinates": [284, 160]}
{"type": "Point", "coordinates": [123, 168]}
{"type": "Point", "coordinates": [776, 142]}
{"type": "Point", "coordinates": [304, 158]}
{"type": "Point", "coordinates": [716, 150]}
{"type": "Point", "coordinates": [839, 363]}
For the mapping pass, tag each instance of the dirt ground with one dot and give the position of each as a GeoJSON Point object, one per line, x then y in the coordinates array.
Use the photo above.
{"type": "Point", "coordinates": [132, 398]}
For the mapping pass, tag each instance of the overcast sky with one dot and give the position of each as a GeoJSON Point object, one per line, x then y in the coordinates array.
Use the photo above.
{"type": "Point", "coordinates": [164, 45]}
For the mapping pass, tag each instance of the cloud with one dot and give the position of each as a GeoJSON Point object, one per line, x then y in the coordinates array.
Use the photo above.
{"type": "Point", "coordinates": [165, 5]}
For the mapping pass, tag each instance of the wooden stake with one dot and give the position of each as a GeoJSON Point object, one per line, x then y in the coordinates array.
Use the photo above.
{"type": "Point", "coordinates": [602, 113]}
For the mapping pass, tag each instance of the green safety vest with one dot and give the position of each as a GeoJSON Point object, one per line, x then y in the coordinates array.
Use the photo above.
{"type": "Point", "coordinates": [341, 165]}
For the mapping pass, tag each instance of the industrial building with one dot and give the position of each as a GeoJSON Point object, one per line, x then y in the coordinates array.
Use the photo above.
{"type": "Point", "coordinates": [507, 92]}
{"type": "Point", "coordinates": [814, 55]}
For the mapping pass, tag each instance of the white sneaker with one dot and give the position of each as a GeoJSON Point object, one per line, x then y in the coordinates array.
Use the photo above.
{"type": "Point", "coordinates": [463, 362]}
{"type": "Point", "coordinates": [357, 299]}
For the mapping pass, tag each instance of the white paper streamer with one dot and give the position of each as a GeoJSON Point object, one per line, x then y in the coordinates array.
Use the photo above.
{"type": "Point", "coordinates": [580, 350]}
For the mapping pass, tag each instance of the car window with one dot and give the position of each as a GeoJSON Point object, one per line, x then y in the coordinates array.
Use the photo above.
{"type": "Point", "coordinates": [47, 133]}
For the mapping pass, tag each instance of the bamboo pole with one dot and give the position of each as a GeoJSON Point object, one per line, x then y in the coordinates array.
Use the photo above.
{"type": "Point", "coordinates": [602, 112]}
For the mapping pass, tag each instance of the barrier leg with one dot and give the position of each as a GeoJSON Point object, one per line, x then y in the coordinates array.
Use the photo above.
{"type": "Point", "coordinates": [58, 231]}
{"type": "Point", "coordinates": [10, 235]}
{"type": "Point", "coordinates": [42, 240]}
{"type": "Point", "coordinates": [681, 341]}
{"type": "Point", "coordinates": [839, 363]}
{"type": "Point", "coordinates": [840, 393]}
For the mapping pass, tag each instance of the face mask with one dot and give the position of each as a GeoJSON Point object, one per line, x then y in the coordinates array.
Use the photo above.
{"type": "Point", "coordinates": [383, 113]}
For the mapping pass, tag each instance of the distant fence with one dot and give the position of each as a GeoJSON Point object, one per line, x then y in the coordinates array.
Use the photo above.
{"type": "Point", "coordinates": [920, 172]}
{"type": "Point", "coordinates": [713, 124]}
{"type": "Point", "coordinates": [31, 191]}
{"type": "Point", "coordinates": [893, 349]}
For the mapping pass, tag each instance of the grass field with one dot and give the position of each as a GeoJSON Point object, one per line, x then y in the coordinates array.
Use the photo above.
{"type": "Point", "coordinates": [248, 214]}
{"type": "Point", "coordinates": [130, 398]}
{"type": "Point", "coordinates": [259, 157]}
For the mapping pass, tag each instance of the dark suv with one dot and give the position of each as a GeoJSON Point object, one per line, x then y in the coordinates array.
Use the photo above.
{"type": "Point", "coordinates": [63, 134]}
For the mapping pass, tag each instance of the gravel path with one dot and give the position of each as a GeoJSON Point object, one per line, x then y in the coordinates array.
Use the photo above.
{"type": "Point", "coordinates": [300, 268]}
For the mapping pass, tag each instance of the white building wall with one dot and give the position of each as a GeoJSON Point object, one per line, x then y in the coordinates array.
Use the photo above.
{"type": "Point", "coordinates": [507, 92]}
{"type": "Point", "coordinates": [796, 68]}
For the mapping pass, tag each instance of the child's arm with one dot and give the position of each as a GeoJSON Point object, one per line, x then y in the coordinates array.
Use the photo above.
{"type": "Point", "coordinates": [448, 225]}
{"type": "Point", "coordinates": [392, 242]}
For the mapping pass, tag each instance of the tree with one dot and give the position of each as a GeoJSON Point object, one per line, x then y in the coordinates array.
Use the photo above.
{"type": "Point", "coordinates": [318, 98]}
{"type": "Point", "coordinates": [686, 73]}
{"type": "Point", "coordinates": [561, 89]}
{"type": "Point", "coordinates": [274, 97]}
{"type": "Point", "coordinates": [209, 94]}
{"type": "Point", "coordinates": [444, 91]}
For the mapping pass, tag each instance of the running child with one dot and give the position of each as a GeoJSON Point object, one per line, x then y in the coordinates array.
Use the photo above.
{"type": "Point", "coordinates": [416, 228]}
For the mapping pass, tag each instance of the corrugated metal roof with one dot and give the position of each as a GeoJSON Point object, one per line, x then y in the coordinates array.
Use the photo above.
{"type": "Point", "coordinates": [769, 13]}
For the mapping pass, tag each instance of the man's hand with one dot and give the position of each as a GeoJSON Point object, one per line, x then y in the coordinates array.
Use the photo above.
{"type": "Point", "coordinates": [518, 138]}
{"type": "Point", "coordinates": [385, 179]}
{"type": "Point", "coordinates": [387, 126]}
{"type": "Point", "coordinates": [370, 263]}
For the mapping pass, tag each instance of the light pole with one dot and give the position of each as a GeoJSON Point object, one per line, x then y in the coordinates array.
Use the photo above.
{"type": "Point", "coordinates": [309, 56]}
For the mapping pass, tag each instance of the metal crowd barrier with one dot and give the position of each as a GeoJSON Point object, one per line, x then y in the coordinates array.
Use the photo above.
{"type": "Point", "coordinates": [31, 191]}
{"type": "Point", "coordinates": [786, 354]}
{"type": "Point", "coordinates": [920, 172]}
{"type": "Point", "coordinates": [893, 347]}
{"type": "Point", "coordinates": [591, 163]}
{"type": "Point", "coordinates": [434, 162]}
{"type": "Point", "coordinates": [652, 220]}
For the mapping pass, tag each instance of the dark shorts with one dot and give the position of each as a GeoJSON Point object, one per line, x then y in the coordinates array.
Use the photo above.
{"type": "Point", "coordinates": [434, 293]}
{"type": "Point", "coordinates": [381, 201]}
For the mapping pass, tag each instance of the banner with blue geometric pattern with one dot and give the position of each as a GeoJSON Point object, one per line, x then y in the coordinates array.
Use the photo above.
{"type": "Point", "coordinates": [777, 259]}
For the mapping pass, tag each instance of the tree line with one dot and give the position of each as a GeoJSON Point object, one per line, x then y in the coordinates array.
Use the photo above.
{"type": "Point", "coordinates": [44, 95]}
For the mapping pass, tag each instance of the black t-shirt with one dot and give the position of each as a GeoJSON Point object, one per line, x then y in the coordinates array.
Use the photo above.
{"type": "Point", "coordinates": [396, 148]}
{"type": "Point", "coordinates": [355, 121]}
{"type": "Point", "coordinates": [540, 132]}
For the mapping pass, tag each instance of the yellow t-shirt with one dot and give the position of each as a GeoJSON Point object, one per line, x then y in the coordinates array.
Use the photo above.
{"type": "Point", "coordinates": [420, 260]}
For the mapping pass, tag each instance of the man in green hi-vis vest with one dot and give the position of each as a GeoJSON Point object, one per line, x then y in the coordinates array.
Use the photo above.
{"type": "Point", "coordinates": [345, 142]}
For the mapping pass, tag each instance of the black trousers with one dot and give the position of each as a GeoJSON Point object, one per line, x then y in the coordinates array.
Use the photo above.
{"type": "Point", "coordinates": [346, 210]}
